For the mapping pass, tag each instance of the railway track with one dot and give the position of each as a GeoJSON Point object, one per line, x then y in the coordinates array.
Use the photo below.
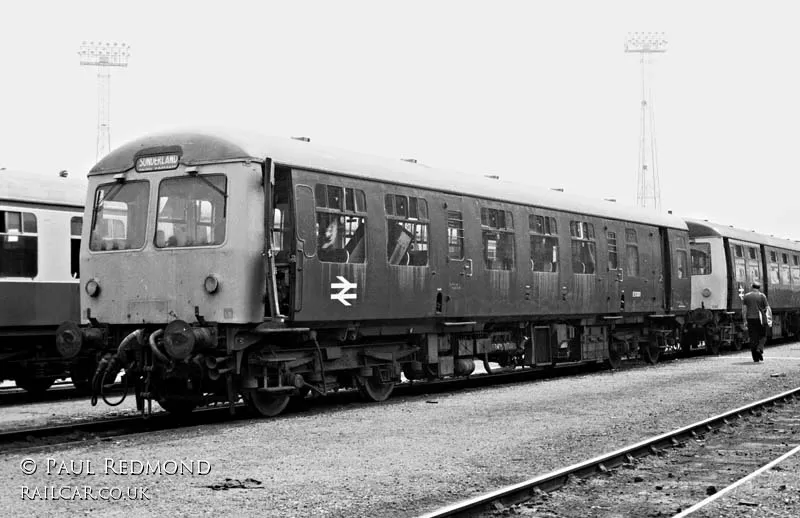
{"type": "Point", "coordinates": [98, 429]}
{"type": "Point", "coordinates": [694, 464]}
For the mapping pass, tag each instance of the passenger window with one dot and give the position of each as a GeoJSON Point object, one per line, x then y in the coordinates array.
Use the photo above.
{"type": "Point", "coordinates": [19, 244]}
{"type": "Point", "coordinates": [631, 252]}
{"type": "Point", "coordinates": [407, 229]}
{"type": "Point", "coordinates": [738, 250]}
{"type": "Point", "coordinates": [544, 243]}
{"type": "Point", "coordinates": [455, 235]}
{"type": "Point", "coordinates": [752, 252]}
{"type": "Point", "coordinates": [341, 231]}
{"type": "Point", "coordinates": [584, 249]}
{"type": "Point", "coordinates": [773, 256]}
{"type": "Point", "coordinates": [681, 259]}
{"type": "Point", "coordinates": [75, 229]}
{"type": "Point", "coordinates": [613, 259]}
{"type": "Point", "coordinates": [701, 259]}
{"type": "Point", "coordinates": [785, 258]}
{"type": "Point", "coordinates": [498, 239]}
{"type": "Point", "coordinates": [796, 260]}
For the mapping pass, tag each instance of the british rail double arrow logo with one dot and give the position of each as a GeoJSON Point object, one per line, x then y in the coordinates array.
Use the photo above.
{"type": "Point", "coordinates": [344, 286]}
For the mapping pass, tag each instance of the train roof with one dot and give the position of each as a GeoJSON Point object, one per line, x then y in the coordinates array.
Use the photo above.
{"type": "Point", "coordinates": [703, 228]}
{"type": "Point", "coordinates": [215, 146]}
{"type": "Point", "coordinates": [44, 189]}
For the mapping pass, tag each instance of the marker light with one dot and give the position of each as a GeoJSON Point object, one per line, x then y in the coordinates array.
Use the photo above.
{"type": "Point", "coordinates": [211, 284]}
{"type": "Point", "coordinates": [706, 292]}
{"type": "Point", "coordinates": [92, 288]}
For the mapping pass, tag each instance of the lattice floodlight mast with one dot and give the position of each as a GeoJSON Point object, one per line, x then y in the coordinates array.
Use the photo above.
{"type": "Point", "coordinates": [104, 55]}
{"type": "Point", "coordinates": [647, 185]}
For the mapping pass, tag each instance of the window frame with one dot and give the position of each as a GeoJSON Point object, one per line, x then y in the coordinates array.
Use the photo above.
{"type": "Point", "coordinates": [207, 177]}
{"type": "Point", "coordinates": [418, 222]}
{"type": "Point", "coordinates": [546, 228]}
{"type": "Point", "coordinates": [505, 231]}
{"type": "Point", "coordinates": [358, 198]}
{"type": "Point", "coordinates": [581, 231]}
{"type": "Point", "coordinates": [27, 235]}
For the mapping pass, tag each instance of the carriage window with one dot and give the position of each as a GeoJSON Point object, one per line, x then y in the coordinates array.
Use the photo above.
{"type": "Point", "coordinates": [773, 256]}
{"type": "Point", "coordinates": [119, 218]}
{"type": "Point", "coordinates": [752, 252]}
{"type": "Point", "coordinates": [455, 235]}
{"type": "Point", "coordinates": [738, 250]}
{"type": "Point", "coordinates": [701, 259]}
{"type": "Point", "coordinates": [613, 260]}
{"type": "Point", "coordinates": [19, 245]}
{"type": "Point", "coordinates": [191, 211]}
{"type": "Point", "coordinates": [785, 258]}
{"type": "Point", "coordinates": [583, 247]}
{"type": "Point", "coordinates": [407, 230]}
{"type": "Point", "coordinates": [631, 252]}
{"type": "Point", "coordinates": [75, 229]}
{"type": "Point", "coordinates": [681, 262]}
{"type": "Point", "coordinates": [796, 260]}
{"type": "Point", "coordinates": [341, 224]}
{"type": "Point", "coordinates": [498, 239]}
{"type": "Point", "coordinates": [544, 243]}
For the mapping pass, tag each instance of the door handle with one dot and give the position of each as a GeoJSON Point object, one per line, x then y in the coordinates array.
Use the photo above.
{"type": "Point", "coordinates": [468, 267]}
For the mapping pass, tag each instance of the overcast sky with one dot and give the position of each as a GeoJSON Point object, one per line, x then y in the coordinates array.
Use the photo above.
{"type": "Point", "coordinates": [535, 91]}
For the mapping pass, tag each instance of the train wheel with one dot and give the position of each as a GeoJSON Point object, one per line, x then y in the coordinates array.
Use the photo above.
{"type": "Point", "coordinates": [266, 404]}
{"type": "Point", "coordinates": [31, 384]}
{"type": "Point", "coordinates": [373, 390]}
{"type": "Point", "coordinates": [180, 407]}
{"type": "Point", "coordinates": [615, 350]}
{"type": "Point", "coordinates": [650, 352]}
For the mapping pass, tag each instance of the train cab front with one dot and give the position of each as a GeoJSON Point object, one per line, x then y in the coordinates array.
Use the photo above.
{"type": "Point", "coordinates": [173, 264]}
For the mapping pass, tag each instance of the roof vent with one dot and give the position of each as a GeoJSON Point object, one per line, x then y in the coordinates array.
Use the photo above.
{"type": "Point", "coordinates": [669, 212]}
{"type": "Point", "coordinates": [63, 173]}
{"type": "Point", "coordinates": [409, 160]}
{"type": "Point", "coordinates": [559, 189]}
{"type": "Point", "coordinates": [304, 139]}
{"type": "Point", "coordinates": [492, 176]}
{"type": "Point", "coordinates": [612, 200]}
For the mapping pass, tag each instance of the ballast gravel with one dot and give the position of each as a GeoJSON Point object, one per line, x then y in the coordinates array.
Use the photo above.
{"type": "Point", "coordinates": [400, 458]}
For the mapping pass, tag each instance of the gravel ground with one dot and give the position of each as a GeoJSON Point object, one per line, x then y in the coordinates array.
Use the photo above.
{"type": "Point", "coordinates": [408, 455]}
{"type": "Point", "coordinates": [29, 415]}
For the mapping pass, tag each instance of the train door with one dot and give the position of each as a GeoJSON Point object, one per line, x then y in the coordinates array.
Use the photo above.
{"type": "Point", "coordinates": [737, 253]}
{"type": "Point", "coordinates": [633, 273]}
{"type": "Point", "coordinates": [615, 272]}
{"type": "Point", "coordinates": [458, 270]}
{"type": "Point", "coordinates": [282, 242]}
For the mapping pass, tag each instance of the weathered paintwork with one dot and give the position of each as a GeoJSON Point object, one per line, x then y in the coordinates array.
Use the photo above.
{"type": "Point", "coordinates": [157, 285]}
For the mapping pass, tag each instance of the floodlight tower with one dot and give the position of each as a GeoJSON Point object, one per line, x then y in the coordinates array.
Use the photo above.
{"type": "Point", "coordinates": [104, 55]}
{"type": "Point", "coordinates": [647, 184]}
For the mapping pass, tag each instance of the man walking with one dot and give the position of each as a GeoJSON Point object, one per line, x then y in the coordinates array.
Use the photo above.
{"type": "Point", "coordinates": [757, 316]}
